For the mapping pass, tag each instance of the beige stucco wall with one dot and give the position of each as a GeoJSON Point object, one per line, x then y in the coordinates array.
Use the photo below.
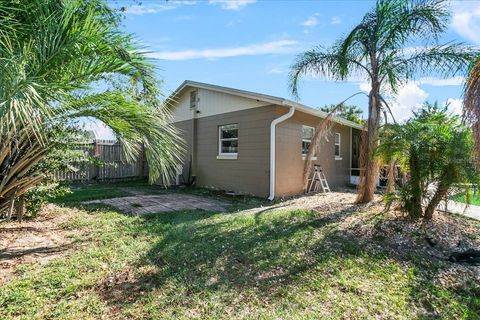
{"type": "Point", "coordinates": [249, 173]}
{"type": "Point", "coordinates": [290, 165]}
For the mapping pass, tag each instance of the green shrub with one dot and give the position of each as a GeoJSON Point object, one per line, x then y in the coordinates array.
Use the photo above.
{"type": "Point", "coordinates": [435, 150]}
{"type": "Point", "coordinates": [37, 197]}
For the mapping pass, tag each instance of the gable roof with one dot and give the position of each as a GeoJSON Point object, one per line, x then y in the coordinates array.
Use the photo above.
{"type": "Point", "coordinates": [262, 97]}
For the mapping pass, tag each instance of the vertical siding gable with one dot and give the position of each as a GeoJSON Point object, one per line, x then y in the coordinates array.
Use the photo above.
{"type": "Point", "coordinates": [181, 107]}
{"type": "Point", "coordinates": [213, 103]}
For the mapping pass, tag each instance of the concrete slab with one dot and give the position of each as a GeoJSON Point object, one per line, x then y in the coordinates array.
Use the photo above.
{"type": "Point", "coordinates": [147, 204]}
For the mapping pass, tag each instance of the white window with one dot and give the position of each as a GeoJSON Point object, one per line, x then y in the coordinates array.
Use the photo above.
{"type": "Point", "coordinates": [337, 146]}
{"type": "Point", "coordinates": [193, 99]}
{"type": "Point", "coordinates": [307, 136]}
{"type": "Point", "coordinates": [228, 140]}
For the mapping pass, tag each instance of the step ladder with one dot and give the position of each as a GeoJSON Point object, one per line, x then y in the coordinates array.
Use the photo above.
{"type": "Point", "coordinates": [318, 180]}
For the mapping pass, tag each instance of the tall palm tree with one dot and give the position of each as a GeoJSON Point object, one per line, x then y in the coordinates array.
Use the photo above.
{"type": "Point", "coordinates": [395, 42]}
{"type": "Point", "coordinates": [471, 104]}
{"type": "Point", "coordinates": [65, 59]}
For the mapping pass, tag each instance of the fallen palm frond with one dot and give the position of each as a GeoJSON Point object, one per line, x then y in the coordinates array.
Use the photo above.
{"type": "Point", "coordinates": [322, 131]}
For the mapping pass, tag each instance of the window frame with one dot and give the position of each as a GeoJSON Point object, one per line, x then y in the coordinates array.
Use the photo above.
{"type": "Point", "coordinates": [193, 99]}
{"type": "Point", "coordinates": [339, 144]}
{"type": "Point", "coordinates": [226, 155]}
{"type": "Point", "coordinates": [304, 155]}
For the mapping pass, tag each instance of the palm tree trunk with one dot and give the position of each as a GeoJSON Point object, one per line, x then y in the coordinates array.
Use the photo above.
{"type": "Point", "coordinates": [20, 208]}
{"type": "Point", "coordinates": [392, 175]}
{"type": "Point", "coordinates": [440, 194]}
{"type": "Point", "coordinates": [368, 163]}
{"type": "Point", "coordinates": [414, 207]}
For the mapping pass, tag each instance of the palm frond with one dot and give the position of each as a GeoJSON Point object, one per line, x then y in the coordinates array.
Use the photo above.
{"type": "Point", "coordinates": [441, 60]}
{"type": "Point", "coordinates": [330, 64]}
{"type": "Point", "coordinates": [401, 21]}
{"type": "Point", "coordinates": [136, 125]}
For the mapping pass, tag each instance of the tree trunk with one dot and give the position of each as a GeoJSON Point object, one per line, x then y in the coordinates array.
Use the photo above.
{"type": "Point", "coordinates": [20, 208]}
{"type": "Point", "coordinates": [12, 206]}
{"type": "Point", "coordinates": [368, 163]}
{"type": "Point", "coordinates": [391, 176]}
{"type": "Point", "coordinates": [440, 193]}
{"type": "Point", "coordinates": [414, 206]}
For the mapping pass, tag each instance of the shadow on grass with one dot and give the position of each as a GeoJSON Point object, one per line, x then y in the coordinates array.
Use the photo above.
{"type": "Point", "coordinates": [38, 251]}
{"type": "Point", "coordinates": [273, 255]}
{"type": "Point", "coordinates": [268, 255]}
{"type": "Point", "coordinates": [210, 254]}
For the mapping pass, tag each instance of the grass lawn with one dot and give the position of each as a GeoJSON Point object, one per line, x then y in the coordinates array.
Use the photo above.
{"type": "Point", "coordinates": [282, 264]}
{"type": "Point", "coordinates": [474, 198]}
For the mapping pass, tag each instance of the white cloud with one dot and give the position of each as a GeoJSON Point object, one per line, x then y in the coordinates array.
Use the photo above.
{"type": "Point", "coordinates": [281, 46]}
{"type": "Point", "coordinates": [232, 4]}
{"type": "Point", "coordinates": [310, 22]}
{"type": "Point", "coordinates": [466, 20]}
{"type": "Point", "coordinates": [454, 81]}
{"type": "Point", "coordinates": [455, 106]}
{"type": "Point", "coordinates": [365, 86]}
{"type": "Point", "coordinates": [336, 20]}
{"type": "Point", "coordinates": [276, 71]}
{"type": "Point", "coordinates": [140, 10]}
{"type": "Point", "coordinates": [409, 98]}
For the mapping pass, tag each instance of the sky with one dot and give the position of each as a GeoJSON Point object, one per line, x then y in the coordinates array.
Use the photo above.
{"type": "Point", "coordinates": [250, 45]}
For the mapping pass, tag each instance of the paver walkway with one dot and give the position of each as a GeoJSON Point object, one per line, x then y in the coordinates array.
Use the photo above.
{"type": "Point", "coordinates": [147, 204]}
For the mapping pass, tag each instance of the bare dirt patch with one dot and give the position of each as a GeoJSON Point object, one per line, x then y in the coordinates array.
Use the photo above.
{"type": "Point", "coordinates": [36, 241]}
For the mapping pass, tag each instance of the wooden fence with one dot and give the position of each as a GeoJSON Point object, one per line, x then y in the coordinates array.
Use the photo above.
{"type": "Point", "coordinates": [111, 164]}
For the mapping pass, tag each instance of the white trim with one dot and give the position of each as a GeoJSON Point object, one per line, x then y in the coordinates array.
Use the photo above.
{"type": "Point", "coordinates": [307, 140]}
{"type": "Point", "coordinates": [339, 155]}
{"type": "Point", "coordinates": [220, 139]}
{"type": "Point", "coordinates": [229, 156]}
{"type": "Point", "coordinates": [273, 126]}
{"type": "Point", "coordinates": [350, 151]}
{"type": "Point", "coordinates": [260, 97]}
{"type": "Point", "coordinates": [304, 157]}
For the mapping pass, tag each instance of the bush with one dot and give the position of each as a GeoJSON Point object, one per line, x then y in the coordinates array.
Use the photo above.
{"type": "Point", "coordinates": [37, 197]}
{"type": "Point", "coordinates": [435, 150]}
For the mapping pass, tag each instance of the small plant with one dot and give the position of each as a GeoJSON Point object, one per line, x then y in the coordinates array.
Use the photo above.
{"type": "Point", "coordinates": [37, 197]}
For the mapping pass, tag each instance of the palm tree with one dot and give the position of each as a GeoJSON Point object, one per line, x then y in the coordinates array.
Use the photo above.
{"type": "Point", "coordinates": [395, 42]}
{"type": "Point", "coordinates": [61, 60]}
{"type": "Point", "coordinates": [471, 104]}
{"type": "Point", "coordinates": [434, 149]}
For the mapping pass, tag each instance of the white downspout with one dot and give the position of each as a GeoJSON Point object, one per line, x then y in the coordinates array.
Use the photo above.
{"type": "Point", "coordinates": [273, 126]}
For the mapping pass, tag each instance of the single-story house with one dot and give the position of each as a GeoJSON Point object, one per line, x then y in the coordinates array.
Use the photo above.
{"type": "Point", "coordinates": [256, 144]}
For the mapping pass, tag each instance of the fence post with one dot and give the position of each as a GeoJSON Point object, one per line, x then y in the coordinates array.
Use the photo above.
{"type": "Point", "coordinates": [95, 170]}
{"type": "Point", "coordinates": [140, 166]}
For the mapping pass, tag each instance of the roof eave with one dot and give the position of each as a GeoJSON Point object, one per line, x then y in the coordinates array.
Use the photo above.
{"type": "Point", "coordinates": [264, 98]}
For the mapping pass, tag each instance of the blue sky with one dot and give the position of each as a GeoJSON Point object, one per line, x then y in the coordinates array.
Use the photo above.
{"type": "Point", "coordinates": [248, 44]}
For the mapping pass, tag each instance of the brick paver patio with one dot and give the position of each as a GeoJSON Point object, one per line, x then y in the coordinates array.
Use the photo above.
{"type": "Point", "coordinates": [147, 204]}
